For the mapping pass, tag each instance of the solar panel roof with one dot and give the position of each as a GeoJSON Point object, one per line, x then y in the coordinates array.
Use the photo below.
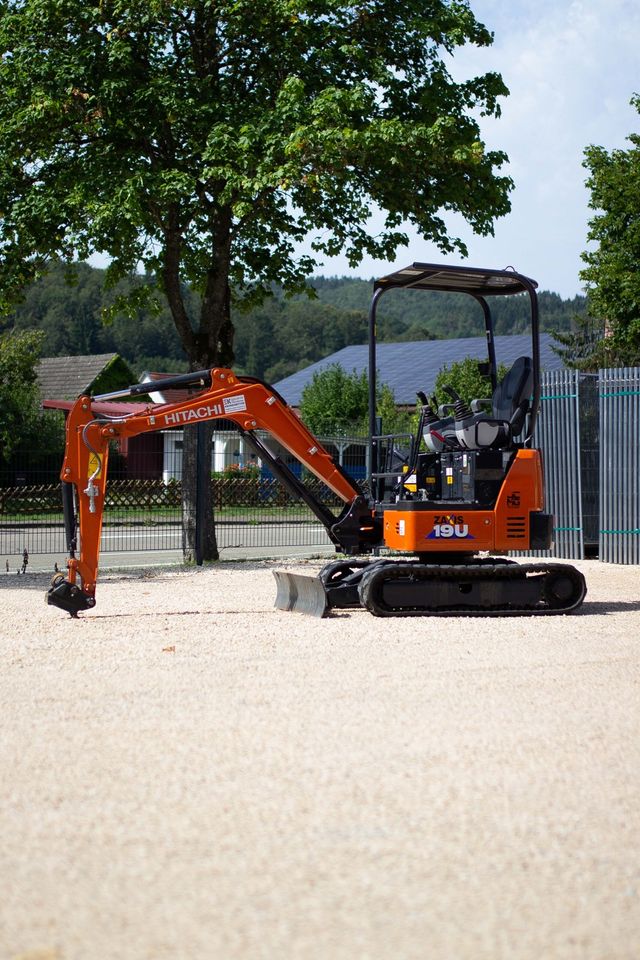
{"type": "Point", "coordinates": [409, 367]}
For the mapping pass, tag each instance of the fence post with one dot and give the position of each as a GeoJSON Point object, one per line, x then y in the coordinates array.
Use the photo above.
{"type": "Point", "coordinates": [202, 478]}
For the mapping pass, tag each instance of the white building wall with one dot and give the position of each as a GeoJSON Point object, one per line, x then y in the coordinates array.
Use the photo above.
{"type": "Point", "coordinates": [227, 450]}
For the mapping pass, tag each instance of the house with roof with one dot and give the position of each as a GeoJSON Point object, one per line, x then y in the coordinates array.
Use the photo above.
{"type": "Point", "coordinates": [65, 378]}
{"type": "Point", "coordinates": [409, 367]}
{"type": "Point", "coordinates": [62, 379]}
{"type": "Point", "coordinates": [151, 455]}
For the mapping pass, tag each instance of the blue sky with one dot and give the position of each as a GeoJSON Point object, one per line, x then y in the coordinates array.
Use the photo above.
{"type": "Point", "coordinates": [572, 67]}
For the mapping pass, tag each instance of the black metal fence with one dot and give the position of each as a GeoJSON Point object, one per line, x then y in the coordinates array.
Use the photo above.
{"type": "Point", "coordinates": [588, 430]}
{"type": "Point", "coordinates": [144, 513]}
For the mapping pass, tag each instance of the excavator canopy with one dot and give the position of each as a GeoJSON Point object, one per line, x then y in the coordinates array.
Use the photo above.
{"type": "Point", "coordinates": [452, 279]}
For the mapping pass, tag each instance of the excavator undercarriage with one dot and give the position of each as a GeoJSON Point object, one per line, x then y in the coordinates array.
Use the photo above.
{"type": "Point", "coordinates": [411, 588]}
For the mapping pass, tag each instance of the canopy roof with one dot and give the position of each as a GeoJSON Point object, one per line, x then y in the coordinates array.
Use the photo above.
{"type": "Point", "coordinates": [471, 280]}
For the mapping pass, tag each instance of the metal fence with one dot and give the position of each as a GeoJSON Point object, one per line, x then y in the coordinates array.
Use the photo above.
{"type": "Point", "coordinates": [588, 431]}
{"type": "Point", "coordinates": [568, 436]}
{"type": "Point", "coordinates": [589, 434]}
{"type": "Point", "coordinates": [145, 515]}
{"type": "Point", "coordinates": [558, 436]}
{"type": "Point", "coordinates": [142, 513]}
{"type": "Point", "coordinates": [620, 465]}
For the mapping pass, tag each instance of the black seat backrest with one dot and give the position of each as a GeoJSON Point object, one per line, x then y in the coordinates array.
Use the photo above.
{"type": "Point", "coordinates": [511, 396]}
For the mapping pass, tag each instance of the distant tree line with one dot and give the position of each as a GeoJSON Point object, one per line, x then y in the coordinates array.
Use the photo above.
{"type": "Point", "coordinates": [273, 340]}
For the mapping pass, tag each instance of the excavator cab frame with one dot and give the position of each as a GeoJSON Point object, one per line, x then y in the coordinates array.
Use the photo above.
{"type": "Point", "coordinates": [480, 284]}
{"type": "Point", "coordinates": [456, 432]}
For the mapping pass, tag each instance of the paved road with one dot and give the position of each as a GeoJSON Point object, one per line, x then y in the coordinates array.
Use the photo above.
{"type": "Point", "coordinates": [154, 546]}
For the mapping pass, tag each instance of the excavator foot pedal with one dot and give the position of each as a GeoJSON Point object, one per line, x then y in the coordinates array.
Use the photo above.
{"type": "Point", "coordinates": [68, 596]}
{"type": "Point", "coordinates": [301, 594]}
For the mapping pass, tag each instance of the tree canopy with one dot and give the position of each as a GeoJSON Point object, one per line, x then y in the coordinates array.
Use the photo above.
{"type": "Point", "coordinates": [612, 271]}
{"type": "Point", "coordinates": [467, 379]}
{"type": "Point", "coordinates": [19, 398]}
{"type": "Point", "coordinates": [206, 141]}
{"type": "Point", "coordinates": [336, 402]}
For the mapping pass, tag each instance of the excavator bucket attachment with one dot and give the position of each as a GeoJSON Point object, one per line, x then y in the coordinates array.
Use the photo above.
{"type": "Point", "coordinates": [301, 594]}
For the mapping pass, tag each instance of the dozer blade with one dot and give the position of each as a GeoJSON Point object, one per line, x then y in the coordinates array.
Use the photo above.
{"type": "Point", "coordinates": [301, 594]}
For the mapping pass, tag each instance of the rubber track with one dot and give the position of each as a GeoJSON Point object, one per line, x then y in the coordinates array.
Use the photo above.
{"type": "Point", "coordinates": [372, 583]}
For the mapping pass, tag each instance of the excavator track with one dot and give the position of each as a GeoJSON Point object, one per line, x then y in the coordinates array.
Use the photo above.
{"type": "Point", "coordinates": [398, 589]}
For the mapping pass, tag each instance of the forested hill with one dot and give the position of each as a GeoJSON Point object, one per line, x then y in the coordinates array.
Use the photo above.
{"type": "Point", "coordinates": [276, 339]}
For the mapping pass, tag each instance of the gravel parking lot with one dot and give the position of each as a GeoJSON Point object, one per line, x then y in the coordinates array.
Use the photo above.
{"type": "Point", "coordinates": [189, 773]}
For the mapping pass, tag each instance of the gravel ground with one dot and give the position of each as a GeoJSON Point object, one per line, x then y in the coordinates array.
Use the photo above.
{"type": "Point", "coordinates": [189, 773]}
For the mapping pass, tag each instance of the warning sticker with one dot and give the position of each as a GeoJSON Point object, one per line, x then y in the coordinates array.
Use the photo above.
{"type": "Point", "coordinates": [234, 404]}
{"type": "Point", "coordinates": [94, 465]}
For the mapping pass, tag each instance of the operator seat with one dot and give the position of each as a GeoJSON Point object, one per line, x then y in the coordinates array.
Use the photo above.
{"type": "Point", "coordinates": [509, 408]}
{"type": "Point", "coordinates": [438, 429]}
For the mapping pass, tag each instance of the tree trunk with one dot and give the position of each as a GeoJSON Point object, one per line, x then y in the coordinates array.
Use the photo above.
{"type": "Point", "coordinates": [210, 345]}
{"type": "Point", "coordinates": [208, 541]}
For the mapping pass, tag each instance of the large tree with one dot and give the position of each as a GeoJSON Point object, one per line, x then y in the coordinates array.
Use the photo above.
{"type": "Point", "coordinates": [612, 271]}
{"type": "Point", "coordinates": [205, 140]}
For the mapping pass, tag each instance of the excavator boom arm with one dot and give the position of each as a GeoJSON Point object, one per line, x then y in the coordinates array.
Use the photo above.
{"type": "Point", "coordinates": [249, 403]}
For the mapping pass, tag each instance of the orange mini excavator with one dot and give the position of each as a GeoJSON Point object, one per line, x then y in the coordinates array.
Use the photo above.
{"type": "Point", "coordinates": [445, 504]}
